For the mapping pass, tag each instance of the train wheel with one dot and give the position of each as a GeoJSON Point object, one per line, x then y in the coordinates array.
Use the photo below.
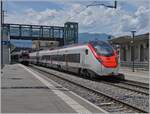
{"type": "Point", "coordinates": [87, 74]}
{"type": "Point", "coordinates": [79, 72]}
{"type": "Point", "coordinates": [120, 76]}
{"type": "Point", "coordinates": [91, 74]}
{"type": "Point", "coordinates": [59, 67]}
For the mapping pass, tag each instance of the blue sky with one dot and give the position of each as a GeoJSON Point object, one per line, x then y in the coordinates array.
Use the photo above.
{"type": "Point", "coordinates": [57, 12]}
{"type": "Point", "coordinates": [20, 6]}
{"type": "Point", "coordinates": [133, 14]}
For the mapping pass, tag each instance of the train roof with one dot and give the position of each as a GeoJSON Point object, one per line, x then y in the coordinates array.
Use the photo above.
{"type": "Point", "coordinates": [77, 44]}
{"type": "Point", "coordinates": [68, 46]}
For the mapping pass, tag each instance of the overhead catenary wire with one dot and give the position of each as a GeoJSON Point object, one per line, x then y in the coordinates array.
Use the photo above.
{"type": "Point", "coordinates": [95, 4]}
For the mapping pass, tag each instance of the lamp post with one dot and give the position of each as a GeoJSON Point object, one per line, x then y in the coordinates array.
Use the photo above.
{"type": "Point", "coordinates": [2, 22]}
{"type": "Point", "coordinates": [133, 35]}
{"type": "Point", "coordinates": [102, 4]}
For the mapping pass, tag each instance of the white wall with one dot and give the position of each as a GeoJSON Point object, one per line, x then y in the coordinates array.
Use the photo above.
{"type": "Point", "coordinates": [6, 55]}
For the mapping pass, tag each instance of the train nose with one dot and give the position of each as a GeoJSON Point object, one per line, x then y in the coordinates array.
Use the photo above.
{"type": "Point", "coordinates": [108, 62]}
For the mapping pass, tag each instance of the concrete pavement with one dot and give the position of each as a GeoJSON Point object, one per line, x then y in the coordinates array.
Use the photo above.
{"type": "Point", "coordinates": [26, 91]}
{"type": "Point", "coordinates": [138, 75]}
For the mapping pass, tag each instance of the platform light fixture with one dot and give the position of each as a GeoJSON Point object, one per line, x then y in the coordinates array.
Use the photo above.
{"type": "Point", "coordinates": [102, 4]}
{"type": "Point", "coordinates": [132, 41]}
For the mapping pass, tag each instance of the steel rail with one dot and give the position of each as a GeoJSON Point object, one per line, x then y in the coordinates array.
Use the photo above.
{"type": "Point", "coordinates": [131, 89]}
{"type": "Point", "coordinates": [138, 84]}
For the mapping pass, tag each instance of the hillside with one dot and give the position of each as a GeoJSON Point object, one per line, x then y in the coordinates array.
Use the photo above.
{"type": "Point", "coordinates": [85, 37]}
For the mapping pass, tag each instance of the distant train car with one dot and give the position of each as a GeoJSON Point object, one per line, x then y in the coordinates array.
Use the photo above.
{"type": "Point", "coordinates": [21, 57]}
{"type": "Point", "coordinates": [95, 58]}
{"type": "Point", "coordinates": [15, 57]}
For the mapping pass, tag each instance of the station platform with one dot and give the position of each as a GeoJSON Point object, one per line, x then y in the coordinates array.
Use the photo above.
{"type": "Point", "coordinates": [137, 75]}
{"type": "Point", "coordinates": [26, 91]}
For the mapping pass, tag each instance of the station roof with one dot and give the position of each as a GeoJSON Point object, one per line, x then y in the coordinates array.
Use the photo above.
{"type": "Point", "coordinates": [126, 39]}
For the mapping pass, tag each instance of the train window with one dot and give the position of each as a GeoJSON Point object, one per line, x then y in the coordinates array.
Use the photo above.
{"type": "Point", "coordinates": [103, 48]}
{"type": "Point", "coordinates": [58, 57]}
{"type": "Point", "coordinates": [42, 57]}
{"type": "Point", "coordinates": [69, 57]}
{"type": "Point", "coordinates": [54, 57]}
{"type": "Point", "coordinates": [46, 57]}
{"type": "Point", "coordinates": [63, 57]}
{"type": "Point", "coordinates": [86, 51]}
{"type": "Point", "coordinates": [73, 58]}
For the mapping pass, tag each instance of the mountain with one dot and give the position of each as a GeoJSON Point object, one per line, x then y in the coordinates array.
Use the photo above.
{"type": "Point", "coordinates": [85, 37]}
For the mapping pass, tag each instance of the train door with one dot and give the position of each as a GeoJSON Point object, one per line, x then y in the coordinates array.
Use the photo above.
{"type": "Point", "coordinates": [66, 61]}
{"type": "Point", "coordinates": [46, 60]}
{"type": "Point", "coordinates": [83, 59]}
{"type": "Point", "coordinates": [37, 57]}
{"type": "Point", "coordinates": [86, 59]}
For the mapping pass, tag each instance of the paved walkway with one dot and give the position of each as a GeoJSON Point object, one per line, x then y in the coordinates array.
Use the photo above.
{"type": "Point", "coordinates": [26, 91]}
{"type": "Point", "coordinates": [138, 75]}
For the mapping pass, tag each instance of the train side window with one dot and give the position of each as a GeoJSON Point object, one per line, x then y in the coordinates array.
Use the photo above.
{"type": "Point", "coordinates": [73, 58]}
{"type": "Point", "coordinates": [86, 51]}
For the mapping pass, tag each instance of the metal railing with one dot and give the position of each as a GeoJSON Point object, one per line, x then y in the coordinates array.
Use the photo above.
{"type": "Point", "coordinates": [23, 30]}
{"type": "Point", "coordinates": [137, 65]}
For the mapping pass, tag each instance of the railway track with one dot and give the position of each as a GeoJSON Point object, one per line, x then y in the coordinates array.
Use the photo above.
{"type": "Point", "coordinates": [105, 101]}
{"type": "Point", "coordinates": [138, 87]}
{"type": "Point", "coordinates": [137, 84]}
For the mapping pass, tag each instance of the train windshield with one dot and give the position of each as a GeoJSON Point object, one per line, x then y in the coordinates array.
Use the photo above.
{"type": "Point", "coordinates": [103, 48]}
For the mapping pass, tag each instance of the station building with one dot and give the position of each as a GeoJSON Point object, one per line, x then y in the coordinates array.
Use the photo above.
{"type": "Point", "coordinates": [129, 50]}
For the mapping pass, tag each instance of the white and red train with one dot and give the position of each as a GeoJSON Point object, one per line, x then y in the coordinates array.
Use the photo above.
{"type": "Point", "coordinates": [96, 58]}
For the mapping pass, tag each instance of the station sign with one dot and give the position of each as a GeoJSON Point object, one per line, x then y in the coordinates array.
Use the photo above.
{"type": "Point", "coordinates": [5, 42]}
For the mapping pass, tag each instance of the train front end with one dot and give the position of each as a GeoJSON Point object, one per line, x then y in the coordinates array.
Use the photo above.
{"type": "Point", "coordinates": [106, 57]}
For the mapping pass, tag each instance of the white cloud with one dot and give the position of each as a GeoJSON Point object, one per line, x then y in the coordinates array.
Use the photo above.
{"type": "Point", "coordinates": [138, 21]}
{"type": "Point", "coordinates": [91, 19]}
{"type": "Point", "coordinates": [138, 3]}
